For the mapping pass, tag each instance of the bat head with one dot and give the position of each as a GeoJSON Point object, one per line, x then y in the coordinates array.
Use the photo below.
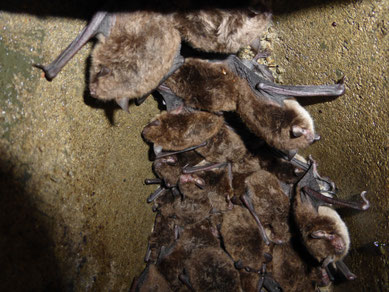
{"type": "Point", "coordinates": [328, 237]}
{"type": "Point", "coordinates": [134, 58]}
{"type": "Point", "coordinates": [298, 131]}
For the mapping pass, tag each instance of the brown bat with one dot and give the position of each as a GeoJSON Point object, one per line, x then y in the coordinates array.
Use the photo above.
{"type": "Point", "coordinates": [269, 205]}
{"type": "Point", "coordinates": [138, 50]}
{"type": "Point", "coordinates": [323, 232]}
{"type": "Point", "coordinates": [181, 130]}
{"type": "Point", "coordinates": [210, 269]}
{"type": "Point", "coordinates": [135, 53]}
{"type": "Point", "coordinates": [150, 280]}
{"type": "Point", "coordinates": [292, 272]}
{"type": "Point", "coordinates": [267, 109]}
{"type": "Point", "coordinates": [222, 30]}
{"type": "Point", "coordinates": [171, 262]}
{"type": "Point", "coordinates": [241, 238]}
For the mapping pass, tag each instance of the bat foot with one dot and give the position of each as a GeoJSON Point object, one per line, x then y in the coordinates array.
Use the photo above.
{"type": "Point", "coordinates": [48, 75]}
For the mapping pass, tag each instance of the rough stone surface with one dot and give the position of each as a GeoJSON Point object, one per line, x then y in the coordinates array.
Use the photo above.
{"type": "Point", "coordinates": [320, 45]}
{"type": "Point", "coordinates": [73, 212]}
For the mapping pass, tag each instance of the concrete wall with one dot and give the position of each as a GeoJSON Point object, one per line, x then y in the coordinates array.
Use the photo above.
{"type": "Point", "coordinates": [319, 45]}
{"type": "Point", "coordinates": [73, 210]}
{"type": "Point", "coordinates": [72, 201]}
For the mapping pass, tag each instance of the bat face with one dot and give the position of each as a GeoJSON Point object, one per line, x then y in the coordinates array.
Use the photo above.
{"type": "Point", "coordinates": [324, 233]}
{"type": "Point", "coordinates": [134, 58]}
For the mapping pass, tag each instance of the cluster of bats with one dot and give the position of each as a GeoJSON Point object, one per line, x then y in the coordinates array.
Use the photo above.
{"type": "Point", "coordinates": [237, 208]}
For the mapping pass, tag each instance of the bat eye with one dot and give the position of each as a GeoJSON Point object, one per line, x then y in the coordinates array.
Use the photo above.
{"type": "Point", "coordinates": [103, 72]}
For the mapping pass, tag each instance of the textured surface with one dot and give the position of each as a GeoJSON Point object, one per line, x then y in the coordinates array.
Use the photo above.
{"type": "Point", "coordinates": [73, 212]}
{"type": "Point", "coordinates": [320, 45]}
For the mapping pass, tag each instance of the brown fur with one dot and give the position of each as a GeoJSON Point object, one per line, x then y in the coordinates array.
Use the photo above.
{"type": "Point", "coordinates": [180, 131]}
{"type": "Point", "coordinates": [210, 269]}
{"type": "Point", "coordinates": [162, 235]}
{"type": "Point", "coordinates": [225, 146]}
{"type": "Point", "coordinates": [153, 281]}
{"type": "Point", "coordinates": [218, 189]}
{"type": "Point", "coordinates": [138, 53]}
{"type": "Point", "coordinates": [218, 30]}
{"type": "Point", "coordinates": [241, 237]}
{"type": "Point", "coordinates": [291, 272]}
{"type": "Point", "coordinates": [214, 87]}
{"type": "Point", "coordinates": [249, 281]}
{"type": "Point", "coordinates": [198, 235]}
{"type": "Point", "coordinates": [272, 122]}
{"type": "Point", "coordinates": [194, 208]}
{"type": "Point", "coordinates": [205, 85]}
{"type": "Point", "coordinates": [309, 220]}
{"type": "Point", "coordinates": [270, 203]}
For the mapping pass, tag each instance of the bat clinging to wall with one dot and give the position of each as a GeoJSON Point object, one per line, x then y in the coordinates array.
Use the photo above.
{"type": "Point", "coordinates": [138, 50]}
{"type": "Point", "coordinates": [221, 30]}
{"type": "Point", "coordinates": [230, 85]}
{"type": "Point", "coordinates": [323, 232]}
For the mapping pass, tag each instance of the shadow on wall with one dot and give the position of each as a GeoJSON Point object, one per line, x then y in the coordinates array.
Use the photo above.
{"type": "Point", "coordinates": [26, 248]}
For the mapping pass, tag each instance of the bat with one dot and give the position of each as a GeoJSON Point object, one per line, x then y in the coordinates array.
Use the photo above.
{"type": "Point", "coordinates": [238, 229]}
{"type": "Point", "coordinates": [231, 85]}
{"type": "Point", "coordinates": [179, 130]}
{"type": "Point", "coordinates": [172, 263]}
{"type": "Point", "coordinates": [292, 271]}
{"type": "Point", "coordinates": [270, 204]}
{"type": "Point", "coordinates": [222, 30]}
{"type": "Point", "coordinates": [150, 280]}
{"type": "Point", "coordinates": [136, 51]}
{"type": "Point", "coordinates": [210, 269]}
{"type": "Point", "coordinates": [323, 232]}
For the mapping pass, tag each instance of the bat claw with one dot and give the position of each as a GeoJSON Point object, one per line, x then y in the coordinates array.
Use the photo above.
{"type": "Point", "coordinates": [366, 203]}
{"type": "Point", "coordinates": [46, 70]}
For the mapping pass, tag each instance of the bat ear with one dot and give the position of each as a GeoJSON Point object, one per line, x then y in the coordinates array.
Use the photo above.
{"type": "Point", "coordinates": [103, 72]}
{"type": "Point", "coordinates": [123, 103]}
{"type": "Point", "coordinates": [298, 131]}
{"type": "Point", "coordinates": [319, 234]}
{"type": "Point", "coordinates": [157, 149]}
{"type": "Point", "coordinates": [154, 123]}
